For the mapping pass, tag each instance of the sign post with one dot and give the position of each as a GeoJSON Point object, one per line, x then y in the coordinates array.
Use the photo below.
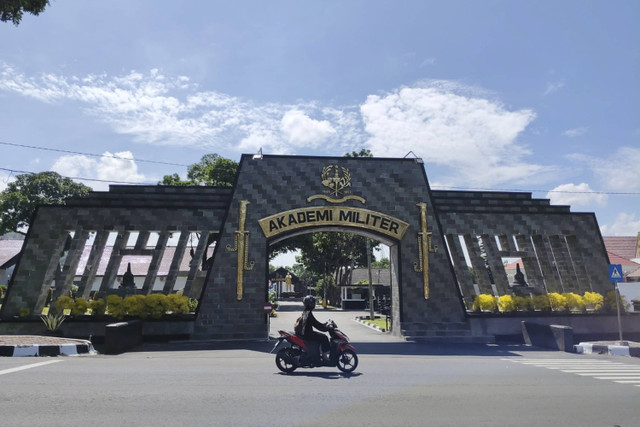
{"type": "Point", "coordinates": [615, 275]}
{"type": "Point", "coordinates": [267, 307]}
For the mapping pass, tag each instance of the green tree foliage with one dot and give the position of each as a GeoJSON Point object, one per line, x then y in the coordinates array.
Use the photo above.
{"type": "Point", "coordinates": [20, 198]}
{"type": "Point", "coordinates": [212, 169]}
{"type": "Point", "coordinates": [173, 180]}
{"type": "Point", "coordinates": [362, 153]}
{"type": "Point", "coordinates": [12, 10]}
{"type": "Point", "coordinates": [381, 263]}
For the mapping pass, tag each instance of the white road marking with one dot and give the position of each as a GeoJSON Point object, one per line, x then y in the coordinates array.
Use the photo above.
{"type": "Point", "coordinates": [33, 365]}
{"type": "Point", "coordinates": [616, 372]}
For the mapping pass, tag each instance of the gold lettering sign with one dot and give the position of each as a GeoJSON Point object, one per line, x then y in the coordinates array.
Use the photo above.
{"type": "Point", "coordinates": [332, 215]}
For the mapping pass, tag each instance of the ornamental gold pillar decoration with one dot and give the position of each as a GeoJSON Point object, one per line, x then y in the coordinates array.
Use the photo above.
{"type": "Point", "coordinates": [241, 245]}
{"type": "Point", "coordinates": [424, 247]}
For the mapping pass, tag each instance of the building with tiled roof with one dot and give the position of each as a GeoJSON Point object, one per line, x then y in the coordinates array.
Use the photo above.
{"type": "Point", "coordinates": [624, 246]}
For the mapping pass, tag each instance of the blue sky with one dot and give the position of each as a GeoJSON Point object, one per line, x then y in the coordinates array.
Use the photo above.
{"type": "Point", "coordinates": [537, 96]}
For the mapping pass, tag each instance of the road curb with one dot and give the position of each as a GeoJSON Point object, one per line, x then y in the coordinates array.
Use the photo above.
{"type": "Point", "coordinates": [34, 346]}
{"type": "Point", "coordinates": [362, 322]}
{"type": "Point", "coordinates": [612, 350]}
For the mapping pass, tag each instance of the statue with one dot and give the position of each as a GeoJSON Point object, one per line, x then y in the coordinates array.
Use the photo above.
{"type": "Point", "coordinates": [127, 279]}
{"type": "Point", "coordinates": [519, 277]}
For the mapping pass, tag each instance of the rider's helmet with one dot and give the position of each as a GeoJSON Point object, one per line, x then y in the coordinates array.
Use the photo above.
{"type": "Point", "coordinates": [309, 302]}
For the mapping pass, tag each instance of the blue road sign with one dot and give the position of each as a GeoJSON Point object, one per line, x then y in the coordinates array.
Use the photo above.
{"type": "Point", "coordinates": [615, 272]}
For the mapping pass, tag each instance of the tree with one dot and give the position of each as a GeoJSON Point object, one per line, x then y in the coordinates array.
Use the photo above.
{"type": "Point", "coordinates": [382, 263]}
{"type": "Point", "coordinates": [212, 169]}
{"type": "Point", "coordinates": [173, 180]}
{"type": "Point", "coordinates": [362, 153]}
{"type": "Point", "coordinates": [21, 197]}
{"type": "Point", "coordinates": [12, 10]}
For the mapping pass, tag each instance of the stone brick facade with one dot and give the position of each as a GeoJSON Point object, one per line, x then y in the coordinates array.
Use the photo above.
{"type": "Point", "coordinates": [559, 250]}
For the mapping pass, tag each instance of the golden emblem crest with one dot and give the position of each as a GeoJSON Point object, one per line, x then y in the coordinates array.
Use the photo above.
{"type": "Point", "coordinates": [337, 180]}
{"type": "Point", "coordinates": [336, 183]}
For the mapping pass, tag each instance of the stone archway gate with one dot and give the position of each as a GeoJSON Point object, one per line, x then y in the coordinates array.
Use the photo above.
{"type": "Point", "coordinates": [436, 237]}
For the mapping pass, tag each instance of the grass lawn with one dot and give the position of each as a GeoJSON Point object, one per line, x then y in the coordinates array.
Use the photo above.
{"type": "Point", "coordinates": [378, 321]}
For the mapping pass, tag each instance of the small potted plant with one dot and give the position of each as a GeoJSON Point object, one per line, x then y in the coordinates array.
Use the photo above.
{"type": "Point", "coordinates": [53, 322]}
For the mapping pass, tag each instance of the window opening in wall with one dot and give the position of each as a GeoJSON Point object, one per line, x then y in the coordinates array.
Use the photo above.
{"type": "Point", "coordinates": [538, 261]}
{"type": "Point", "coordinates": [152, 241]}
{"type": "Point", "coordinates": [139, 268]}
{"type": "Point", "coordinates": [467, 260]}
{"type": "Point", "coordinates": [133, 238]}
{"type": "Point", "coordinates": [485, 258]}
{"type": "Point", "coordinates": [446, 243]}
{"type": "Point", "coordinates": [498, 244]}
{"type": "Point", "coordinates": [514, 268]}
{"type": "Point", "coordinates": [515, 242]}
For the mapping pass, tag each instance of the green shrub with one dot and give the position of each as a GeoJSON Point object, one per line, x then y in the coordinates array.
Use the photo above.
{"type": "Point", "coordinates": [155, 305]}
{"type": "Point", "coordinates": [79, 307]}
{"type": "Point", "coordinates": [485, 302]}
{"type": "Point", "coordinates": [506, 304]}
{"type": "Point", "coordinates": [3, 290]}
{"type": "Point", "coordinates": [115, 307]}
{"type": "Point", "coordinates": [540, 302]}
{"type": "Point", "coordinates": [177, 304]}
{"type": "Point", "coordinates": [574, 301]}
{"type": "Point", "coordinates": [593, 300]}
{"type": "Point", "coordinates": [557, 301]}
{"type": "Point", "coordinates": [63, 303]}
{"type": "Point", "coordinates": [98, 307]}
{"type": "Point", "coordinates": [24, 312]}
{"type": "Point", "coordinates": [610, 304]}
{"type": "Point", "coordinates": [134, 306]}
{"type": "Point", "coordinates": [522, 303]}
{"type": "Point", "coordinates": [193, 304]}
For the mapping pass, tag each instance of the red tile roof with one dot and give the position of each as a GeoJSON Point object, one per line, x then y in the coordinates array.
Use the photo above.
{"type": "Point", "coordinates": [624, 246]}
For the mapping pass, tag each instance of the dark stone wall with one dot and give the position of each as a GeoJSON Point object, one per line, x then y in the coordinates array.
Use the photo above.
{"type": "Point", "coordinates": [124, 209]}
{"type": "Point", "coordinates": [561, 251]}
{"type": "Point", "coordinates": [275, 184]}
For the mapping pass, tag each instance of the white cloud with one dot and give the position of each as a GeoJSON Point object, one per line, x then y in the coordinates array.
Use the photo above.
{"type": "Point", "coordinates": [119, 167]}
{"type": "Point", "coordinates": [572, 133]}
{"type": "Point", "coordinates": [427, 62]}
{"type": "Point", "coordinates": [575, 195]}
{"type": "Point", "coordinates": [301, 130]}
{"type": "Point", "coordinates": [447, 125]}
{"type": "Point", "coordinates": [553, 87]}
{"type": "Point", "coordinates": [619, 172]}
{"type": "Point", "coordinates": [624, 225]}
{"type": "Point", "coordinates": [162, 110]}
{"type": "Point", "coordinates": [460, 128]}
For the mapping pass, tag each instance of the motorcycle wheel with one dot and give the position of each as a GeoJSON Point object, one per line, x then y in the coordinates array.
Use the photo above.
{"type": "Point", "coordinates": [283, 360]}
{"type": "Point", "coordinates": [348, 361]}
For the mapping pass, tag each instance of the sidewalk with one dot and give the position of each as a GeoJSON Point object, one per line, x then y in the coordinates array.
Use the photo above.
{"type": "Point", "coordinates": [34, 345]}
{"type": "Point", "coordinates": [613, 348]}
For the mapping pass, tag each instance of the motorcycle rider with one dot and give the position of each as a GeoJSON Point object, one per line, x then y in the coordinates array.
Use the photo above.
{"type": "Point", "coordinates": [309, 322]}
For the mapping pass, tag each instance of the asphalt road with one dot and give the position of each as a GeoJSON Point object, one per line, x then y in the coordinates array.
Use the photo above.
{"type": "Point", "coordinates": [396, 384]}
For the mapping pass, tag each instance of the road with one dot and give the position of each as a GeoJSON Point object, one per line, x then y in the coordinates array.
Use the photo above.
{"type": "Point", "coordinates": [396, 383]}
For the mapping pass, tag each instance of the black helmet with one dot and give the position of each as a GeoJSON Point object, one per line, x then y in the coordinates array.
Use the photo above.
{"type": "Point", "coordinates": [309, 302]}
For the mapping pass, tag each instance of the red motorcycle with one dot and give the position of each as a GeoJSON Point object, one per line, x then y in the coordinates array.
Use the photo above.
{"type": "Point", "coordinates": [299, 353]}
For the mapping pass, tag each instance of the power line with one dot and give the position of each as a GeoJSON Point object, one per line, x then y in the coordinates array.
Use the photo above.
{"type": "Point", "coordinates": [11, 171]}
{"type": "Point", "coordinates": [110, 156]}
{"type": "Point", "coordinates": [612, 193]}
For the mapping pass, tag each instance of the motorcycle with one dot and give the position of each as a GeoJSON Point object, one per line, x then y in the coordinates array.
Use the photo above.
{"type": "Point", "coordinates": [299, 353]}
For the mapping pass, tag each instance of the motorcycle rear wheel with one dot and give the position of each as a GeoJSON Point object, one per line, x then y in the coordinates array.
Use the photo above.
{"type": "Point", "coordinates": [347, 361]}
{"type": "Point", "coordinates": [284, 360]}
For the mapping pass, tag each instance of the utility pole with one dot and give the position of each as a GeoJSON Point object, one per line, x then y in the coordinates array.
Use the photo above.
{"type": "Point", "coordinates": [371, 314]}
